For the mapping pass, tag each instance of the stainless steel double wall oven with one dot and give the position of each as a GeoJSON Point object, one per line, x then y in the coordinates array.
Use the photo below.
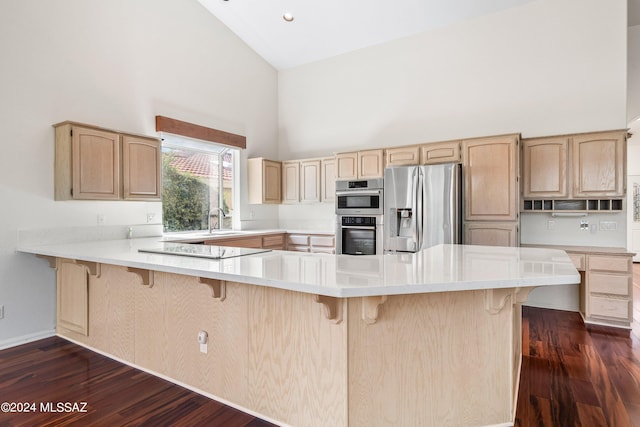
{"type": "Point", "coordinates": [359, 209]}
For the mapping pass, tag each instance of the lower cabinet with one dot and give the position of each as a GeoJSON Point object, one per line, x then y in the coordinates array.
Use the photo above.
{"type": "Point", "coordinates": [316, 243]}
{"type": "Point", "coordinates": [72, 281]}
{"type": "Point", "coordinates": [491, 233]}
{"type": "Point", "coordinates": [607, 290]}
{"type": "Point", "coordinates": [269, 241]}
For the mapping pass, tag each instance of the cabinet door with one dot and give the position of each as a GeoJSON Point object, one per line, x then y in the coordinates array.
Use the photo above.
{"type": "Point", "coordinates": [370, 164]}
{"type": "Point", "coordinates": [440, 152]}
{"type": "Point", "coordinates": [310, 181]}
{"type": "Point", "coordinates": [544, 164]}
{"type": "Point", "coordinates": [95, 164]}
{"type": "Point", "coordinates": [328, 180]}
{"type": "Point", "coordinates": [599, 164]}
{"type": "Point", "coordinates": [238, 242]}
{"type": "Point", "coordinates": [291, 182]}
{"type": "Point", "coordinates": [265, 181]}
{"type": "Point", "coordinates": [72, 296]}
{"type": "Point", "coordinates": [490, 168]}
{"type": "Point", "coordinates": [347, 166]}
{"type": "Point", "coordinates": [141, 168]}
{"type": "Point", "coordinates": [402, 156]}
{"type": "Point", "coordinates": [491, 233]}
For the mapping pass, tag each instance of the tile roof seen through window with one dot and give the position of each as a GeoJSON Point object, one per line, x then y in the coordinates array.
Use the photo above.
{"type": "Point", "coordinates": [200, 164]}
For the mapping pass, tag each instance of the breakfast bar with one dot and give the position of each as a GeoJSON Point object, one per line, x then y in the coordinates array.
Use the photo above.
{"type": "Point", "coordinates": [430, 338]}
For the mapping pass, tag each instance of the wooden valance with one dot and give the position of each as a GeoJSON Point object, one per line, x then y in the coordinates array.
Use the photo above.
{"type": "Point", "coordinates": [178, 127]}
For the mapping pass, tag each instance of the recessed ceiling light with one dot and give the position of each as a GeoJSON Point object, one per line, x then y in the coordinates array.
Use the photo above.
{"type": "Point", "coordinates": [287, 17]}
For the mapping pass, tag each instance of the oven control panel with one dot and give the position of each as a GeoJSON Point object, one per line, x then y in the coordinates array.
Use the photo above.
{"type": "Point", "coordinates": [359, 220]}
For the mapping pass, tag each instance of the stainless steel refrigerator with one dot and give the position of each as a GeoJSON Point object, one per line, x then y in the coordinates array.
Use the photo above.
{"type": "Point", "coordinates": [422, 207]}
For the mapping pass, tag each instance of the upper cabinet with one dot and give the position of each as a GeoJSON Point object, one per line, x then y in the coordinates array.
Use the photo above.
{"type": "Point", "coordinates": [599, 164]}
{"type": "Point", "coordinates": [440, 152]}
{"type": "Point", "coordinates": [360, 164]}
{"type": "Point", "coordinates": [402, 156]}
{"type": "Point", "coordinates": [581, 172]}
{"type": "Point", "coordinates": [265, 181]}
{"type": "Point", "coordinates": [310, 178]}
{"type": "Point", "coordinates": [544, 165]}
{"type": "Point", "coordinates": [291, 182]}
{"type": "Point", "coordinates": [92, 163]}
{"type": "Point", "coordinates": [328, 179]}
{"type": "Point", "coordinates": [141, 168]}
{"type": "Point", "coordinates": [490, 178]}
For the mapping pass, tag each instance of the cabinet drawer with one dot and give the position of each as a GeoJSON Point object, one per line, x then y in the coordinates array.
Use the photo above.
{"type": "Point", "coordinates": [613, 308]}
{"type": "Point", "coordinates": [615, 284]}
{"type": "Point", "coordinates": [578, 260]}
{"type": "Point", "coordinates": [323, 250]}
{"type": "Point", "coordinates": [296, 248]}
{"type": "Point", "coordinates": [275, 240]}
{"type": "Point", "coordinates": [610, 263]}
{"type": "Point", "coordinates": [298, 239]}
{"type": "Point", "coordinates": [328, 241]}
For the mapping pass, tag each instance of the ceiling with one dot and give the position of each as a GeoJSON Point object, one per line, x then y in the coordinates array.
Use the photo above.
{"type": "Point", "coordinates": [326, 28]}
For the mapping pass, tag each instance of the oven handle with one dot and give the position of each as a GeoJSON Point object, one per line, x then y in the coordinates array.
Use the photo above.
{"type": "Point", "coordinates": [359, 193]}
{"type": "Point", "coordinates": [360, 227]}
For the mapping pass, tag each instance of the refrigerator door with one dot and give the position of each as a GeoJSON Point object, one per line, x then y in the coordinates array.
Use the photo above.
{"type": "Point", "coordinates": [400, 210]}
{"type": "Point", "coordinates": [440, 195]}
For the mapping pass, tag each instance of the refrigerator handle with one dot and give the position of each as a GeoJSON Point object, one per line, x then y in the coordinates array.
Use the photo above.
{"type": "Point", "coordinates": [419, 208]}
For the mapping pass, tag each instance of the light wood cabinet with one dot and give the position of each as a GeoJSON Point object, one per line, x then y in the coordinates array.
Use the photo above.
{"type": "Point", "coordinates": [265, 181]}
{"type": "Point", "coordinates": [544, 167]}
{"type": "Point", "coordinates": [490, 169]}
{"type": "Point", "coordinates": [315, 243]}
{"type": "Point", "coordinates": [310, 171]}
{"type": "Point", "coordinates": [141, 168]}
{"type": "Point", "coordinates": [491, 233]}
{"type": "Point", "coordinates": [580, 172]}
{"type": "Point", "coordinates": [490, 176]}
{"type": "Point", "coordinates": [440, 152]}
{"type": "Point", "coordinates": [291, 182]}
{"type": "Point", "coordinates": [347, 165]}
{"type": "Point", "coordinates": [328, 180]}
{"type": "Point", "coordinates": [360, 164]}
{"type": "Point", "coordinates": [402, 156]}
{"type": "Point", "coordinates": [267, 241]}
{"type": "Point", "coordinates": [93, 163]}
{"type": "Point", "coordinates": [599, 164]}
{"type": "Point", "coordinates": [607, 290]}
{"type": "Point", "coordinates": [72, 283]}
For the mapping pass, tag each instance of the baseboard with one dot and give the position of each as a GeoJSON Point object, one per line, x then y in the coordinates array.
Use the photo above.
{"type": "Point", "coordinates": [24, 339]}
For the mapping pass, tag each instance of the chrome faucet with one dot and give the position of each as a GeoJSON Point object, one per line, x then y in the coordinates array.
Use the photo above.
{"type": "Point", "coordinates": [217, 214]}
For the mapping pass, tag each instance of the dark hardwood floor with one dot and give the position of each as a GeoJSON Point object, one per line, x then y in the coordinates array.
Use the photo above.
{"type": "Point", "coordinates": [54, 371]}
{"type": "Point", "coordinates": [574, 375]}
{"type": "Point", "coordinates": [571, 376]}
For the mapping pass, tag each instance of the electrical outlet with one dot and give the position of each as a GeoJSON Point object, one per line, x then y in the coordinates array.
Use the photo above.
{"type": "Point", "coordinates": [551, 225]}
{"type": "Point", "coordinates": [1, 311]}
{"type": "Point", "coordinates": [100, 219]}
{"type": "Point", "coordinates": [150, 217]}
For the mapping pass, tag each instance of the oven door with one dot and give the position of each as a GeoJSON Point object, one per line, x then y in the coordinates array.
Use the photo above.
{"type": "Point", "coordinates": [368, 202]}
{"type": "Point", "coordinates": [358, 240]}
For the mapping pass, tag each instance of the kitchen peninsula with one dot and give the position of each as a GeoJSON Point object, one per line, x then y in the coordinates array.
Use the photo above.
{"type": "Point", "coordinates": [431, 338]}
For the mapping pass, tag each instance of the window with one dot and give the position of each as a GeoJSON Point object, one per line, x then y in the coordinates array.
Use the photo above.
{"type": "Point", "coordinates": [198, 178]}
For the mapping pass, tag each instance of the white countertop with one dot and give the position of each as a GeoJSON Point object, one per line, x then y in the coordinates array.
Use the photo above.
{"type": "Point", "coordinates": [442, 268]}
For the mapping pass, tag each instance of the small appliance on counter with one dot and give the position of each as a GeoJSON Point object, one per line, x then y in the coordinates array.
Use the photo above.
{"type": "Point", "coordinates": [422, 207]}
{"type": "Point", "coordinates": [359, 207]}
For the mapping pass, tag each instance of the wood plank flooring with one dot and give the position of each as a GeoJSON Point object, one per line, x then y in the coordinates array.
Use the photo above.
{"type": "Point", "coordinates": [54, 370]}
{"type": "Point", "coordinates": [574, 375]}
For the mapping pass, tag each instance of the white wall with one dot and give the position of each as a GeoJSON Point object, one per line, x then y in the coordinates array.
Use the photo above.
{"type": "Point", "coordinates": [633, 64]}
{"type": "Point", "coordinates": [543, 68]}
{"type": "Point", "coordinates": [116, 64]}
{"type": "Point", "coordinates": [547, 67]}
